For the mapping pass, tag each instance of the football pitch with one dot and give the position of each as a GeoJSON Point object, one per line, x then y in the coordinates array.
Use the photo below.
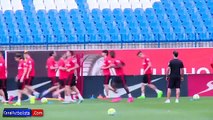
{"type": "Point", "coordinates": [148, 109]}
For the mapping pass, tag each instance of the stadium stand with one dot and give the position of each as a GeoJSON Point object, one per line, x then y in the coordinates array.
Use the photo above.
{"type": "Point", "coordinates": [104, 21]}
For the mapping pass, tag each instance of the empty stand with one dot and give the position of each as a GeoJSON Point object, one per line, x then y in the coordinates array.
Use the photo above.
{"type": "Point", "coordinates": [104, 21]}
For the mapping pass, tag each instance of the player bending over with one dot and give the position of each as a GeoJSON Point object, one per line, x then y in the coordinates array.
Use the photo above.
{"type": "Point", "coordinates": [52, 67]}
{"type": "Point", "coordinates": [147, 66]}
{"type": "Point", "coordinates": [21, 77]}
{"type": "Point", "coordinates": [175, 74]}
{"type": "Point", "coordinates": [30, 73]}
{"type": "Point", "coordinates": [118, 67]}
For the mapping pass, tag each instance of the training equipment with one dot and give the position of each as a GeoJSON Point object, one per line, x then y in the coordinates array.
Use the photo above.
{"type": "Point", "coordinates": [159, 94]}
{"type": "Point", "coordinates": [32, 100]}
{"type": "Point", "coordinates": [17, 104]}
{"type": "Point", "coordinates": [111, 111]}
{"type": "Point", "coordinates": [196, 97]}
{"type": "Point", "coordinates": [44, 100]}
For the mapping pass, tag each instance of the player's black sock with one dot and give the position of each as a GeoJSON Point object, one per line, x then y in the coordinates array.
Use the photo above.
{"type": "Point", "coordinates": [5, 93]}
{"type": "Point", "coordinates": [126, 89]}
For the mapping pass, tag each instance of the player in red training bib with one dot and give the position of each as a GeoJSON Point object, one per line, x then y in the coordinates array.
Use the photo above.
{"type": "Point", "coordinates": [63, 75]}
{"type": "Point", "coordinates": [67, 68]}
{"type": "Point", "coordinates": [20, 78]}
{"type": "Point", "coordinates": [106, 72]}
{"type": "Point", "coordinates": [147, 66]}
{"type": "Point", "coordinates": [30, 73]}
{"type": "Point", "coordinates": [2, 78]}
{"type": "Point", "coordinates": [52, 68]}
{"type": "Point", "coordinates": [119, 73]}
{"type": "Point", "coordinates": [71, 67]}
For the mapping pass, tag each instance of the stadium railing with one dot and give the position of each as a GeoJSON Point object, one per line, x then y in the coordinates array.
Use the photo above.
{"type": "Point", "coordinates": [113, 41]}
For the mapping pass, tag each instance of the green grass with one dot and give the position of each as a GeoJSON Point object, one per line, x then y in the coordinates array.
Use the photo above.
{"type": "Point", "coordinates": [148, 109]}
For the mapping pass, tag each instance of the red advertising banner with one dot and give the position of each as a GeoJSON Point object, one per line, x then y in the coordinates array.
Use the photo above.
{"type": "Point", "coordinates": [200, 84]}
{"type": "Point", "coordinates": [196, 61]}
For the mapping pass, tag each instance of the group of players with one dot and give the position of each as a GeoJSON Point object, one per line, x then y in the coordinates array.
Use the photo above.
{"type": "Point", "coordinates": [67, 66]}
{"type": "Point", "coordinates": [174, 75]}
{"type": "Point", "coordinates": [24, 78]}
{"type": "Point", "coordinates": [111, 63]}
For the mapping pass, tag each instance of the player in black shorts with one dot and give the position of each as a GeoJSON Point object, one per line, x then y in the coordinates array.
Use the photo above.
{"type": "Point", "coordinates": [20, 78]}
{"type": "Point", "coordinates": [175, 74]}
{"type": "Point", "coordinates": [71, 67]}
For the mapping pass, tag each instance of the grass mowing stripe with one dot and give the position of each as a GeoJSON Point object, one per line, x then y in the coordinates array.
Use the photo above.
{"type": "Point", "coordinates": [148, 109]}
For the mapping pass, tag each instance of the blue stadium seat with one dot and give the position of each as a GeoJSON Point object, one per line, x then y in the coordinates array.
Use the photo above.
{"type": "Point", "coordinates": [202, 36]}
{"type": "Point", "coordinates": [41, 13]}
{"type": "Point", "coordinates": [158, 6]}
{"type": "Point", "coordinates": [157, 29]}
{"type": "Point", "coordinates": [96, 12]}
{"type": "Point", "coordinates": [14, 39]}
{"type": "Point", "coordinates": [117, 11]}
{"type": "Point", "coordinates": [128, 12]}
{"type": "Point", "coordinates": [83, 6]}
{"type": "Point", "coordinates": [105, 38]}
{"type": "Point", "coordinates": [167, 30]}
{"type": "Point", "coordinates": [138, 11]}
{"type": "Point", "coordinates": [80, 38]}
{"type": "Point", "coordinates": [126, 37]}
{"type": "Point", "coordinates": [63, 12]}
{"type": "Point", "coordinates": [137, 38]}
{"type": "Point", "coordinates": [4, 40]}
{"type": "Point", "coordinates": [149, 37]}
{"type": "Point", "coordinates": [178, 29]}
{"type": "Point", "coordinates": [179, 5]}
{"type": "Point", "coordinates": [146, 29]}
{"type": "Point", "coordinates": [168, 20]}
{"type": "Point", "coordinates": [27, 39]}
{"type": "Point", "coordinates": [92, 38]}
{"type": "Point", "coordinates": [71, 38]}
{"type": "Point", "coordinates": [116, 38]}
{"type": "Point", "coordinates": [19, 13]}
{"type": "Point", "coordinates": [106, 11]}
{"type": "Point", "coordinates": [74, 12]}
{"type": "Point", "coordinates": [190, 29]}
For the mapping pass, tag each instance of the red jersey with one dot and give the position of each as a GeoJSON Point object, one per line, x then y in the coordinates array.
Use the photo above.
{"type": "Point", "coordinates": [30, 62]}
{"type": "Point", "coordinates": [117, 62]}
{"type": "Point", "coordinates": [146, 62]}
{"type": "Point", "coordinates": [51, 62]}
{"type": "Point", "coordinates": [62, 73]}
{"type": "Point", "coordinates": [70, 63]}
{"type": "Point", "coordinates": [2, 69]}
{"type": "Point", "coordinates": [107, 62]}
{"type": "Point", "coordinates": [21, 66]}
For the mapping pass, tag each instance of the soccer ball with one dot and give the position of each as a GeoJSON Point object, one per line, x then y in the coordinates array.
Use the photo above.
{"type": "Point", "coordinates": [44, 100]}
{"type": "Point", "coordinates": [196, 97]}
{"type": "Point", "coordinates": [111, 111]}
